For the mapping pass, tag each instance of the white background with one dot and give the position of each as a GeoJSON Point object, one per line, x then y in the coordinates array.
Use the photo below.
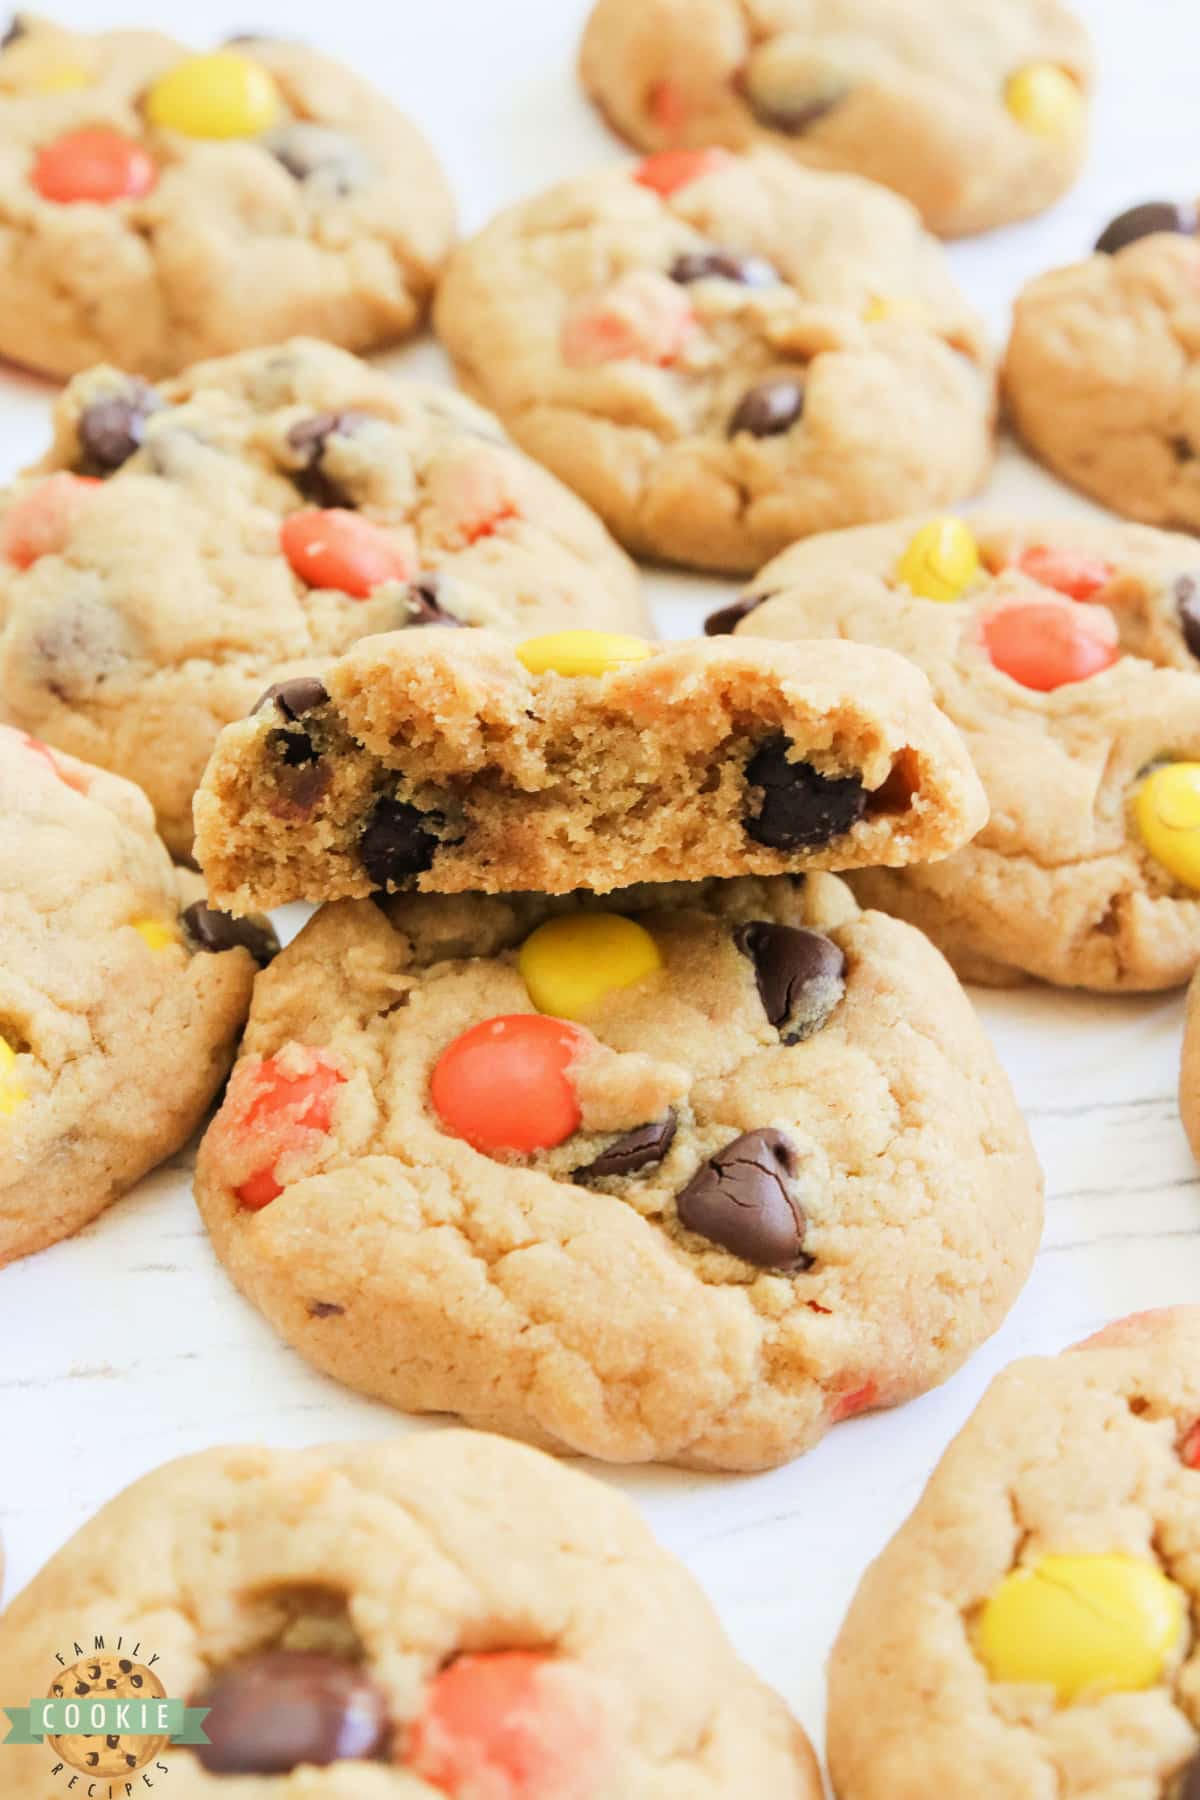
{"type": "Point", "coordinates": [127, 1345]}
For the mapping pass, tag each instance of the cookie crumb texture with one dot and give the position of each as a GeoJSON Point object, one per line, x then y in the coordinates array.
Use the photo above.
{"type": "Point", "coordinates": [158, 207]}
{"type": "Point", "coordinates": [117, 1024]}
{"type": "Point", "coordinates": [441, 763]}
{"type": "Point", "coordinates": [1102, 372]}
{"type": "Point", "coordinates": [1189, 1076]}
{"type": "Point", "coordinates": [446, 1615]}
{"type": "Point", "coordinates": [1068, 655]}
{"type": "Point", "coordinates": [680, 1242]}
{"type": "Point", "coordinates": [722, 354]}
{"type": "Point", "coordinates": [183, 544]}
{"type": "Point", "coordinates": [977, 113]}
{"type": "Point", "coordinates": [1027, 1634]}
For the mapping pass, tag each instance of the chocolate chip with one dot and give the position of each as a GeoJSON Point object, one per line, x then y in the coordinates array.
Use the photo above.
{"type": "Point", "coordinates": [422, 602]}
{"type": "Point", "coordinates": [285, 1708]}
{"type": "Point", "coordinates": [724, 265]}
{"type": "Point", "coordinates": [801, 976]}
{"type": "Point", "coordinates": [723, 621]}
{"type": "Point", "coordinates": [1187, 601]}
{"type": "Point", "coordinates": [769, 408]}
{"type": "Point", "coordinates": [800, 806]}
{"type": "Point", "coordinates": [295, 748]}
{"type": "Point", "coordinates": [315, 153]}
{"type": "Point", "coordinates": [216, 931]}
{"type": "Point", "coordinates": [743, 1199]}
{"type": "Point", "coordinates": [396, 844]}
{"type": "Point", "coordinates": [1188, 1787]}
{"type": "Point", "coordinates": [324, 1309]}
{"type": "Point", "coordinates": [302, 694]}
{"type": "Point", "coordinates": [18, 28]}
{"type": "Point", "coordinates": [111, 429]}
{"type": "Point", "coordinates": [633, 1150]}
{"type": "Point", "coordinates": [1144, 221]}
{"type": "Point", "coordinates": [310, 439]}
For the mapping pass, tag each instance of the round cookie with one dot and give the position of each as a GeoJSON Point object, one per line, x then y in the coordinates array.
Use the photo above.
{"type": "Point", "coordinates": [1102, 376]}
{"type": "Point", "coordinates": [106, 1676]}
{"type": "Point", "coordinates": [446, 1614]}
{"type": "Point", "coordinates": [977, 113]}
{"type": "Point", "coordinates": [1026, 1634]}
{"type": "Point", "coordinates": [157, 207]}
{"type": "Point", "coordinates": [119, 1005]}
{"type": "Point", "coordinates": [1068, 654]}
{"type": "Point", "coordinates": [723, 354]}
{"type": "Point", "coordinates": [179, 545]}
{"type": "Point", "coordinates": [586, 1173]}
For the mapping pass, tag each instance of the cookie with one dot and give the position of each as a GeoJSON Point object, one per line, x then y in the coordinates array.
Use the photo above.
{"type": "Point", "coordinates": [585, 1171]}
{"type": "Point", "coordinates": [1068, 654]}
{"type": "Point", "coordinates": [157, 207]}
{"type": "Point", "coordinates": [106, 1676]}
{"type": "Point", "coordinates": [445, 1614]}
{"type": "Point", "coordinates": [1189, 1076]}
{"type": "Point", "coordinates": [723, 354]}
{"type": "Point", "coordinates": [1101, 375]}
{"type": "Point", "coordinates": [977, 113]}
{"type": "Point", "coordinates": [180, 544]}
{"type": "Point", "coordinates": [449, 762]}
{"type": "Point", "coordinates": [121, 997]}
{"type": "Point", "coordinates": [1026, 1634]}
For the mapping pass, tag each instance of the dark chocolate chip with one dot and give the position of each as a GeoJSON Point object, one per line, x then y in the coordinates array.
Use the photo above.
{"type": "Point", "coordinates": [801, 976]}
{"type": "Point", "coordinates": [422, 602]}
{"type": "Point", "coordinates": [330, 159]}
{"type": "Point", "coordinates": [769, 408]}
{"type": "Point", "coordinates": [633, 1150]}
{"type": "Point", "coordinates": [726, 618]}
{"type": "Point", "coordinates": [310, 439]}
{"type": "Point", "coordinates": [216, 931]}
{"type": "Point", "coordinates": [302, 694]}
{"type": "Point", "coordinates": [1187, 601]}
{"type": "Point", "coordinates": [743, 1198]}
{"type": "Point", "coordinates": [800, 806]}
{"type": "Point", "coordinates": [111, 429]}
{"type": "Point", "coordinates": [295, 748]}
{"type": "Point", "coordinates": [795, 117]}
{"type": "Point", "coordinates": [18, 28]}
{"type": "Point", "coordinates": [396, 844]}
{"type": "Point", "coordinates": [285, 1708]}
{"type": "Point", "coordinates": [324, 1309]}
{"type": "Point", "coordinates": [1183, 448]}
{"type": "Point", "coordinates": [125, 1665]}
{"type": "Point", "coordinates": [724, 265]}
{"type": "Point", "coordinates": [1144, 221]}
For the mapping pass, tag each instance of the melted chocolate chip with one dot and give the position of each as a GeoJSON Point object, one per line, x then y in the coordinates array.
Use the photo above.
{"type": "Point", "coordinates": [794, 119]}
{"type": "Point", "coordinates": [722, 622]}
{"type": "Point", "coordinates": [422, 602]}
{"type": "Point", "coordinates": [633, 1150]}
{"type": "Point", "coordinates": [315, 153]}
{"type": "Point", "coordinates": [295, 748]}
{"type": "Point", "coordinates": [324, 1309]}
{"type": "Point", "coordinates": [724, 265]}
{"type": "Point", "coordinates": [215, 931]}
{"type": "Point", "coordinates": [284, 1708]}
{"type": "Point", "coordinates": [769, 408]}
{"type": "Point", "coordinates": [1187, 602]}
{"type": "Point", "coordinates": [111, 429]}
{"type": "Point", "coordinates": [801, 976]}
{"type": "Point", "coordinates": [310, 439]}
{"type": "Point", "coordinates": [396, 844]}
{"type": "Point", "coordinates": [302, 694]}
{"type": "Point", "coordinates": [800, 806]}
{"type": "Point", "coordinates": [743, 1199]}
{"type": "Point", "coordinates": [1144, 221]}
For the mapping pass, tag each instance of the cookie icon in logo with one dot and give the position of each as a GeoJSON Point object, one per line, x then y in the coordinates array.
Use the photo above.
{"type": "Point", "coordinates": [104, 1677]}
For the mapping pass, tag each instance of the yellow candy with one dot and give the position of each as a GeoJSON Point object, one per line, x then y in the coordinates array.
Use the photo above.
{"type": "Point", "coordinates": [65, 78]}
{"type": "Point", "coordinates": [581, 652]}
{"type": "Point", "coordinates": [895, 306]}
{"type": "Point", "coordinates": [222, 95]}
{"type": "Point", "coordinates": [11, 1091]}
{"type": "Point", "coordinates": [156, 933]}
{"type": "Point", "coordinates": [1167, 809]}
{"type": "Point", "coordinates": [570, 964]}
{"type": "Point", "coordinates": [941, 561]}
{"type": "Point", "coordinates": [1044, 99]}
{"type": "Point", "coordinates": [1098, 1624]}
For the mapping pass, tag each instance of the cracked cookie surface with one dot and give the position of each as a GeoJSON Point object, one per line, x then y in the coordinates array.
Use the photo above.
{"type": "Point", "coordinates": [264, 191]}
{"type": "Point", "coordinates": [589, 1172]}
{"type": "Point", "coordinates": [181, 545]}
{"type": "Point", "coordinates": [723, 354]}
{"type": "Point", "coordinates": [957, 1671]}
{"type": "Point", "coordinates": [1067, 881]}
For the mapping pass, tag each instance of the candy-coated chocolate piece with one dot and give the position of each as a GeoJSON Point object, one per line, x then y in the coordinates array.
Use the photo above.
{"type": "Point", "coordinates": [40, 522]}
{"type": "Point", "coordinates": [1189, 1449]}
{"type": "Point", "coordinates": [505, 1084]}
{"type": "Point", "coordinates": [570, 964]}
{"type": "Point", "coordinates": [643, 315]}
{"type": "Point", "coordinates": [1167, 809]}
{"type": "Point", "coordinates": [1046, 101]}
{"type": "Point", "coordinates": [893, 308]}
{"type": "Point", "coordinates": [59, 78]}
{"type": "Point", "coordinates": [334, 548]}
{"type": "Point", "coordinates": [1066, 571]}
{"type": "Point", "coordinates": [581, 652]}
{"type": "Point", "coordinates": [669, 170]}
{"type": "Point", "coordinates": [11, 1091]}
{"type": "Point", "coordinates": [941, 560]}
{"type": "Point", "coordinates": [1042, 645]}
{"type": "Point", "coordinates": [97, 166]}
{"type": "Point", "coordinates": [157, 933]}
{"type": "Point", "coordinates": [221, 95]}
{"type": "Point", "coordinates": [1082, 1625]}
{"type": "Point", "coordinates": [668, 107]}
{"type": "Point", "coordinates": [288, 1709]}
{"type": "Point", "coordinates": [500, 1725]}
{"type": "Point", "coordinates": [281, 1106]}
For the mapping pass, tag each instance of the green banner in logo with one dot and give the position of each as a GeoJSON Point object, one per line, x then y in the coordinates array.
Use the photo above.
{"type": "Point", "coordinates": [106, 1715]}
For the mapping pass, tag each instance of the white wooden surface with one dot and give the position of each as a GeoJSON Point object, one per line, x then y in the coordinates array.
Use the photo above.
{"type": "Point", "coordinates": [127, 1345]}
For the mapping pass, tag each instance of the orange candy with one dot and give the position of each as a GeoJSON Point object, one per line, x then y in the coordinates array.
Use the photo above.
{"type": "Point", "coordinates": [47, 755]}
{"type": "Point", "coordinates": [268, 1102]}
{"type": "Point", "coordinates": [1189, 1450]}
{"type": "Point", "coordinates": [668, 108]}
{"type": "Point", "coordinates": [668, 170]}
{"type": "Point", "coordinates": [496, 1725]}
{"type": "Point", "coordinates": [504, 1084]}
{"type": "Point", "coordinates": [40, 522]}
{"type": "Point", "coordinates": [1079, 577]}
{"type": "Point", "coordinates": [335, 548]}
{"type": "Point", "coordinates": [1040, 645]}
{"type": "Point", "coordinates": [100, 166]}
{"type": "Point", "coordinates": [641, 315]}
